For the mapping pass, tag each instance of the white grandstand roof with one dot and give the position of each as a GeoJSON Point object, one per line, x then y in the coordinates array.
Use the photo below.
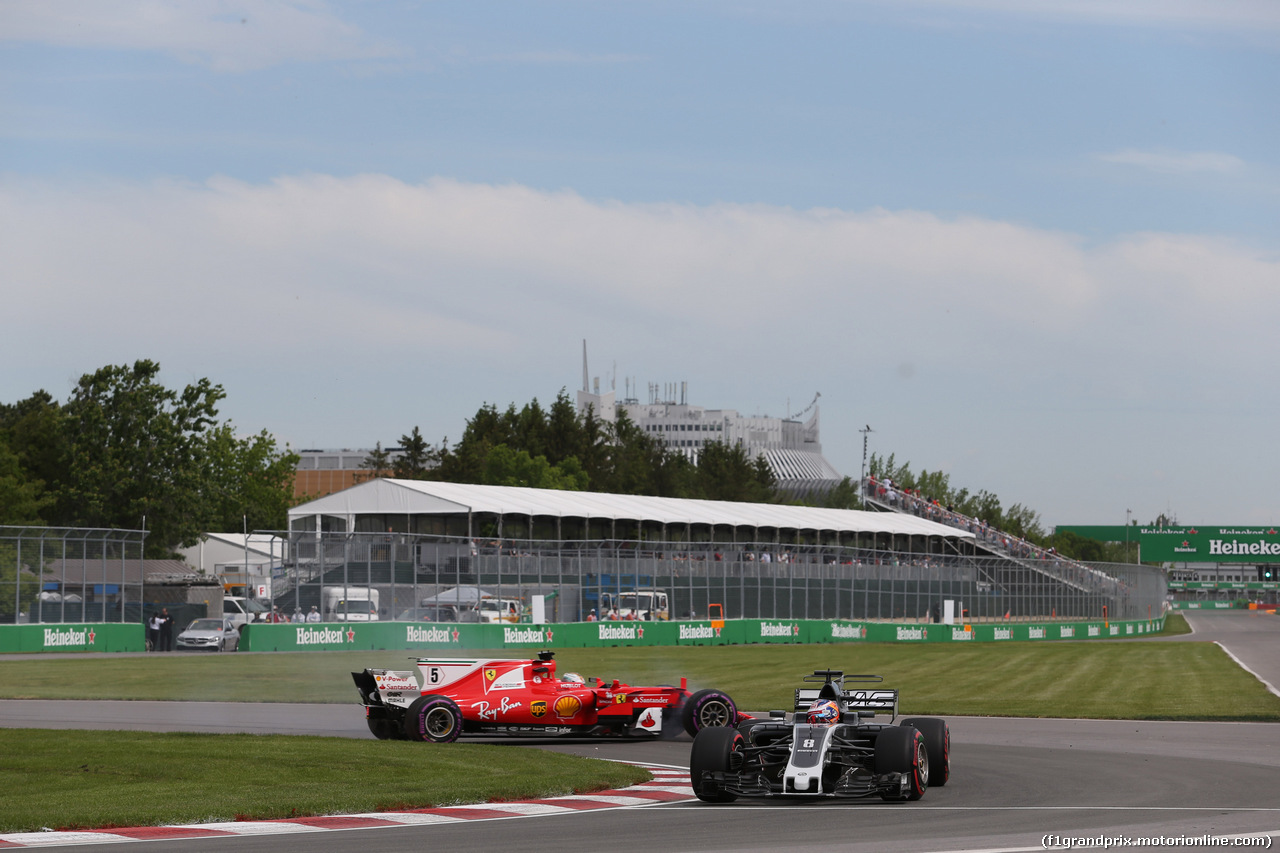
{"type": "Point", "coordinates": [423, 497]}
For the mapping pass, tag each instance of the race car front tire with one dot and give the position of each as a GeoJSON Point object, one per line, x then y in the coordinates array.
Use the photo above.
{"type": "Point", "coordinates": [708, 709]}
{"type": "Point", "coordinates": [712, 752]}
{"type": "Point", "coordinates": [433, 718]}
{"type": "Point", "coordinates": [901, 749]}
{"type": "Point", "coordinates": [937, 741]}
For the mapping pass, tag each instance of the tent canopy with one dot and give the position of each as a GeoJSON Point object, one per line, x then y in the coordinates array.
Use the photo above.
{"type": "Point", "coordinates": [423, 497]}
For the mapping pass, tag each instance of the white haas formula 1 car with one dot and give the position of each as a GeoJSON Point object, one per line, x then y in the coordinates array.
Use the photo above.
{"type": "Point", "coordinates": [519, 696]}
{"type": "Point", "coordinates": [827, 748]}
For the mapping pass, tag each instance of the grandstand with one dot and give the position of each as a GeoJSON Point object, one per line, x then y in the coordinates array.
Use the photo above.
{"type": "Point", "coordinates": [412, 539]}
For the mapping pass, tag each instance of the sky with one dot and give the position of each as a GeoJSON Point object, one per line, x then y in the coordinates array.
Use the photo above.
{"type": "Point", "coordinates": [1032, 244]}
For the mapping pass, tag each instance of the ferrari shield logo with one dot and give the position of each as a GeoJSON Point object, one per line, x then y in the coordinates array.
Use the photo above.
{"type": "Point", "coordinates": [619, 698]}
{"type": "Point", "coordinates": [490, 674]}
{"type": "Point", "coordinates": [538, 708]}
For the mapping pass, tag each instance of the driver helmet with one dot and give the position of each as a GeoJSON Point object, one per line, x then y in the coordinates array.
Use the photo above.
{"type": "Point", "coordinates": [824, 712]}
{"type": "Point", "coordinates": [573, 678]}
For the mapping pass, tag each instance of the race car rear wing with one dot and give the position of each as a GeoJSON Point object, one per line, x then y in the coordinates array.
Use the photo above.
{"type": "Point", "coordinates": [867, 702]}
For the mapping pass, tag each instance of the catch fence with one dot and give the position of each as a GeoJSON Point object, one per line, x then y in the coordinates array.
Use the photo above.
{"type": "Point", "coordinates": [415, 575]}
{"type": "Point", "coordinates": [60, 574]}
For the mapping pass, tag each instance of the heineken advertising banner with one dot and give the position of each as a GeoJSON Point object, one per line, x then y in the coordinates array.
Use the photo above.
{"type": "Point", "coordinates": [1208, 605]}
{"type": "Point", "coordinates": [1246, 585]}
{"type": "Point", "coordinates": [70, 637]}
{"type": "Point", "coordinates": [1209, 544]}
{"type": "Point", "coordinates": [461, 637]}
{"type": "Point", "coordinates": [444, 636]}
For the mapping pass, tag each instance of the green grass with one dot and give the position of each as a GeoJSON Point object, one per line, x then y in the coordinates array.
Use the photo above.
{"type": "Point", "coordinates": [1106, 679]}
{"type": "Point", "coordinates": [76, 779]}
{"type": "Point", "coordinates": [79, 780]}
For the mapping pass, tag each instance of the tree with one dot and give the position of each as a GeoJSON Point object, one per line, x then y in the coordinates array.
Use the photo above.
{"type": "Point", "coordinates": [844, 495]}
{"type": "Point", "coordinates": [21, 499]}
{"type": "Point", "coordinates": [505, 466]}
{"type": "Point", "coordinates": [37, 436]}
{"type": "Point", "coordinates": [247, 481]}
{"type": "Point", "coordinates": [134, 454]}
{"type": "Point", "coordinates": [415, 461]}
{"type": "Point", "coordinates": [727, 473]}
{"type": "Point", "coordinates": [377, 463]}
{"type": "Point", "coordinates": [23, 580]}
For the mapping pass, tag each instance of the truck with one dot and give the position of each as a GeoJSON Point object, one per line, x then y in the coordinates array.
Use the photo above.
{"type": "Point", "coordinates": [635, 604]}
{"type": "Point", "coordinates": [350, 604]}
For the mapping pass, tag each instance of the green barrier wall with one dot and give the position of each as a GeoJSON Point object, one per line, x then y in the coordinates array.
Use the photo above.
{"type": "Point", "coordinates": [70, 637]}
{"type": "Point", "coordinates": [437, 636]}
{"type": "Point", "coordinates": [425, 635]}
{"type": "Point", "coordinates": [1209, 605]}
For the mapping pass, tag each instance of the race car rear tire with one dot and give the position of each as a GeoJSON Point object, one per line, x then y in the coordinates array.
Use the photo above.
{"type": "Point", "coordinates": [712, 751]}
{"type": "Point", "coordinates": [937, 741]}
{"type": "Point", "coordinates": [381, 728]}
{"type": "Point", "coordinates": [901, 749]}
{"type": "Point", "coordinates": [708, 709]}
{"type": "Point", "coordinates": [433, 718]}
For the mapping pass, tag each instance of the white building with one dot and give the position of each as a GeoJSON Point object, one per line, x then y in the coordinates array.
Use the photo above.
{"type": "Point", "coordinates": [790, 446]}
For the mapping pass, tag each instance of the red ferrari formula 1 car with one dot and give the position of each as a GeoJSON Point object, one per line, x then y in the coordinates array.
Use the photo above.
{"type": "Point", "coordinates": [525, 697]}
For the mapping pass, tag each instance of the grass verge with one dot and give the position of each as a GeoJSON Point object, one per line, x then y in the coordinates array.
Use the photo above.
{"type": "Point", "coordinates": [1103, 679]}
{"type": "Point", "coordinates": [78, 779]}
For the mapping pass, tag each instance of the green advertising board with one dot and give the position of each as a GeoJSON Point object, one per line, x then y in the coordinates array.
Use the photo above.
{"type": "Point", "coordinates": [1233, 585]}
{"type": "Point", "coordinates": [1242, 544]}
{"type": "Point", "coordinates": [71, 637]}
{"type": "Point", "coordinates": [527, 638]}
{"type": "Point", "coordinates": [263, 637]}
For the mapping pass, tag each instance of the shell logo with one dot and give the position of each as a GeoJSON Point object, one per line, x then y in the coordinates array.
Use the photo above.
{"type": "Point", "coordinates": [567, 706]}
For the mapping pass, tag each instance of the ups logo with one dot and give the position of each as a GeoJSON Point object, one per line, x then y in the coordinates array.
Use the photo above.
{"type": "Point", "coordinates": [538, 708]}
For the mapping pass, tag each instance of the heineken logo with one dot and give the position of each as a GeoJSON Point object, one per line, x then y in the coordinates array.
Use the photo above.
{"type": "Point", "coordinates": [322, 636]}
{"type": "Point", "coordinates": [912, 633]}
{"type": "Point", "coordinates": [847, 632]}
{"type": "Point", "coordinates": [526, 635]}
{"type": "Point", "coordinates": [1004, 634]}
{"type": "Point", "coordinates": [619, 632]}
{"type": "Point", "coordinates": [961, 634]}
{"type": "Point", "coordinates": [1219, 546]}
{"type": "Point", "coordinates": [778, 629]}
{"type": "Point", "coordinates": [414, 634]}
{"type": "Point", "coordinates": [697, 632]}
{"type": "Point", "coordinates": [60, 637]}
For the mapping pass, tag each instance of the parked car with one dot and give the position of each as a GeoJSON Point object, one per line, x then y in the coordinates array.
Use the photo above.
{"type": "Point", "coordinates": [438, 613]}
{"type": "Point", "coordinates": [216, 635]}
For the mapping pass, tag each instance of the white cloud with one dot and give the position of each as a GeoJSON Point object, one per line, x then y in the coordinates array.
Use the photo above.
{"type": "Point", "coordinates": [1176, 162]}
{"type": "Point", "coordinates": [1241, 15]}
{"type": "Point", "coordinates": [448, 264]}
{"type": "Point", "coordinates": [339, 311]}
{"type": "Point", "coordinates": [226, 35]}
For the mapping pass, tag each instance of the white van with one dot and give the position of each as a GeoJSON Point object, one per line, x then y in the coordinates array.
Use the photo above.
{"type": "Point", "coordinates": [242, 610]}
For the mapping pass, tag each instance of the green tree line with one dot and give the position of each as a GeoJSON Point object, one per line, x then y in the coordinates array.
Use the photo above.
{"type": "Point", "coordinates": [1019, 520]}
{"type": "Point", "coordinates": [556, 448]}
{"type": "Point", "coordinates": [123, 451]}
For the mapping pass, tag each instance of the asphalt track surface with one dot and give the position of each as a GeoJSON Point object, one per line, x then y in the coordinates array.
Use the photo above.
{"type": "Point", "coordinates": [1014, 782]}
